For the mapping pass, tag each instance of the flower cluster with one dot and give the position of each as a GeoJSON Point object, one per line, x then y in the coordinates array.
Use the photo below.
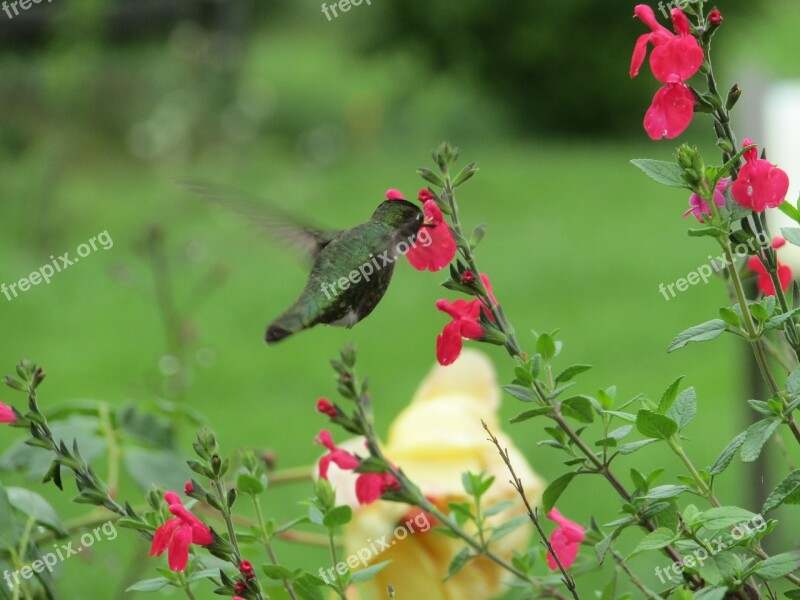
{"type": "Point", "coordinates": [178, 533]}
{"type": "Point", "coordinates": [465, 323]}
{"type": "Point", "coordinates": [674, 59]}
{"type": "Point", "coordinates": [369, 486]}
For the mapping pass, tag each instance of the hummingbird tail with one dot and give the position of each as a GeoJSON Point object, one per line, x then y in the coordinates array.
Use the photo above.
{"type": "Point", "coordinates": [284, 326]}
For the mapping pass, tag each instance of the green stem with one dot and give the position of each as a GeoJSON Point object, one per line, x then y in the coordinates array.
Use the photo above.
{"type": "Point", "coordinates": [701, 484]}
{"type": "Point", "coordinates": [340, 589]}
{"type": "Point", "coordinates": [268, 546]}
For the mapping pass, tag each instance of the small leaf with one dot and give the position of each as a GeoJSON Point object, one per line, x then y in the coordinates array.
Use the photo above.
{"type": "Point", "coordinates": [724, 517]}
{"type": "Point", "coordinates": [653, 425]}
{"type": "Point", "coordinates": [665, 173]}
{"type": "Point", "coordinates": [778, 566]}
{"type": "Point", "coordinates": [570, 372]}
{"type": "Point", "coordinates": [685, 408]}
{"type": "Point", "coordinates": [699, 333]}
{"type": "Point", "coordinates": [727, 455]}
{"type": "Point", "coordinates": [791, 234]}
{"type": "Point", "coordinates": [756, 436]}
{"type": "Point", "coordinates": [338, 515]}
{"type": "Point", "coordinates": [521, 393]}
{"type": "Point", "coordinates": [546, 346]}
{"type": "Point", "coordinates": [530, 414]}
{"type": "Point", "coordinates": [149, 585]}
{"type": "Point", "coordinates": [669, 395]}
{"type": "Point", "coordinates": [370, 572]}
{"type": "Point", "coordinates": [786, 492]}
{"type": "Point", "coordinates": [460, 559]}
{"type": "Point", "coordinates": [666, 491]}
{"type": "Point", "coordinates": [578, 408]}
{"type": "Point", "coordinates": [654, 540]}
{"type": "Point", "coordinates": [554, 491]}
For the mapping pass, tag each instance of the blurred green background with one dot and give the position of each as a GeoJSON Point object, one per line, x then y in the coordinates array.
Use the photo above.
{"type": "Point", "coordinates": [102, 103]}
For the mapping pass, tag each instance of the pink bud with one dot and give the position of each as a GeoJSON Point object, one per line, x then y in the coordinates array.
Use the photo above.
{"type": "Point", "coordinates": [715, 17]}
{"type": "Point", "coordinates": [188, 488]}
{"type": "Point", "coordinates": [326, 408]}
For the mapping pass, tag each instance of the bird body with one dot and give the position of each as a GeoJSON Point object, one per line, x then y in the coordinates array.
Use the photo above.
{"type": "Point", "coordinates": [352, 271]}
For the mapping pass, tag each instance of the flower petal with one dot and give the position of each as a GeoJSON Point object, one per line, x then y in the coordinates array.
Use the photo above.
{"type": "Point", "coordinates": [671, 112]}
{"type": "Point", "coordinates": [178, 555]}
{"type": "Point", "coordinates": [449, 344]}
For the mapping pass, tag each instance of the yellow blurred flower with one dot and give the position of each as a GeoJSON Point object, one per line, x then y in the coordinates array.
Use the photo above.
{"type": "Point", "coordinates": [434, 440]}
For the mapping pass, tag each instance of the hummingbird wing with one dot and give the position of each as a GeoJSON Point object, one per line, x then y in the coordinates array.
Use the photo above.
{"type": "Point", "coordinates": [304, 238]}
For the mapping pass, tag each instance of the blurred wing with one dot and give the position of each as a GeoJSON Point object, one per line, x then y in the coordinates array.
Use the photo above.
{"type": "Point", "coordinates": [302, 237]}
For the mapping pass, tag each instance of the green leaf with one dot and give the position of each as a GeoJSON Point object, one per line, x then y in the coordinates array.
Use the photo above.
{"type": "Point", "coordinates": [632, 447]}
{"type": "Point", "coordinates": [653, 425]}
{"type": "Point", "coordinates": [459, 560]}
{"type": "Point", "coordinates": [247, 484]}
{"type": "Point", "coordinates": [166, 469]}
{"type": "Point", "coordinates": [786, 492]}
{"type": "Point", "coordinates": [665, 173]}
{"type": "Point", "coordinates": [554, 491]}
{"type": "Point", "coordinates": [578, 408]}
{"type": "Point", "coordinates": [521, 393]}
{"type": "Point", "coordinates": [731, 317]}
{"type": "Point", "coordinates": [277, 572]}
{"type": "Point", "coordinates": [714, 232]}
{"type": "Point", "coordinates": [756, 436]}
{"type": "Point", "coordinates": [507, 527]}
{"type": "Point", "coordinates": [666, 491]}
{"type": "Point", "coordinates": [724, 517]}
{"type": "Point", "coordinates": [793, 384]}
{"type": "Point", "coordinates": [699, 333]}
{"type": "Point", "coordinates": [370, 572]}
{"type": "Point", "coordinates": [669, 395]}
{"type": "Point", "coordinates": [727, 455]}
{"type": "Point", "coordinates": [789, 210]}
{"type": "Point", "coordinates": [792, 234]}
{"type": "Point", "coordinates": [337, 516]}
{"type": "Point", "coordinates": [655, 540]}
{"type": "Point", "coordinates": [37, 508]}
{"type": "Point", "coordinates": [684, 409]}
{"type": "Point", "coordinates": [570, 372]}
{"type": "Point", "coordinates": [149, 585]}
{"type": "Point", "coordinates": [778, 566]}
{"type": "Point", "coordinates": [546, 346]}
{"type": "Point", "coordinates": [777, 321]}
{"type": "Point", "coordinates": [530, 414]}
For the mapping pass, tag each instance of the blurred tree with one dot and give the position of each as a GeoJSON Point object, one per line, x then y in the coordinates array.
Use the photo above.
{"type": "Point", "coordinates": [557, 66]}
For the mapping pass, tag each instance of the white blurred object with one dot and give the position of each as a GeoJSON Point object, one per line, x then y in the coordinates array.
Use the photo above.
{"type": "Point", "coordinates": [780, 112]}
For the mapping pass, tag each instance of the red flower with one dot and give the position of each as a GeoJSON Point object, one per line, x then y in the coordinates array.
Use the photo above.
{"type": "Point", "coordinates": [467, 277]}
{"type": "Point", "coordinates": [239, 586]}
{"type": "Point", "coordinates": [177, 533]}
{"type": "Point", "coordinates": [369, 486]}
{"type": "Point", "coordinates": [760, 184]}
{"type": "Point", "coordinates": [7, 414]}
{"type": "Point", "coordinates": [341, 458]}
{"type": "Point", "coordinates": [670, 113]}
{"type": "Point", "coordinates": [715, 17]}
{"type": "Point", "coordinates": [675, 58]}
{"type": "Point", "coordinates": [765, 281]}
{"type": "Point", "coordinates": [435, 245]}
{"type": "Point", "coordinates": [246, 569]}
{"type": "Point", "coordinates": [464, 325]}
{"type": "Point", "coordinates": [326, 408]}
{"type": "Point", "coordinates": [188, 488]}
{"type": "Point", "coordinates": [565, 540]}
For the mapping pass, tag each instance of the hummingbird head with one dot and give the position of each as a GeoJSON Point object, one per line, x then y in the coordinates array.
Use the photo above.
{"type": "Point", "coordinates": [405, 217]}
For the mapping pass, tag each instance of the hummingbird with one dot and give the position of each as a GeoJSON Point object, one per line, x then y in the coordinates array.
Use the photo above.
{"type": "Point", "coordinates": [351, 268]}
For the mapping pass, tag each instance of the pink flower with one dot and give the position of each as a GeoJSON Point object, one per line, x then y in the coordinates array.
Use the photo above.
{"type": "Point", "coordinates": [778, 242]}
{"type": "Point", "coordinates": [765, 281]}
{"type": "Point", "coordinates": [675, 58]}
{"type": "Point", "coordinates": [177, 533]}
{"type": "Point", "coordinates": [565, 540]}
{"type": "Point", "coordinates": [326, 408]}
{"type": "Point", "coordinates": [715, 17]}
{"type": "Point", "coordinates": [369, 486]}
{"type": "Point", "coordinates": [760, 184]}
{"type": "Point", "coordinates": [341, 458]}
{"type": "Point", "coordinates": [188, 488]}
{"type": "Point", "coordinates": [7, 414]}
{"type": "Point", "coordinates": [464, 325]}
{"type": "Point", "coordinates": [435, 246]}
{"type": "Point", "coordinates": [670, 113]}
{"type": "Point", "coordinates": [699, 207]}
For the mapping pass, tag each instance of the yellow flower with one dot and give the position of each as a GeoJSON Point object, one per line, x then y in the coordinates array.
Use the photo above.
{"type": "Point", "coordinates": [434, 440]}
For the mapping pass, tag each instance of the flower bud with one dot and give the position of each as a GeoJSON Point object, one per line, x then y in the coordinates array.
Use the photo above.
{"type": "Point", "coordinates": [715, 18]}
{"type": "Point", "coordinates": [326, 408]}
{"type": "Point", "coordinates": [239, 587]}
{"type": "Point", "coordinates": [467, 277]}
{"type": "Point", "coordinates": [733, 97]}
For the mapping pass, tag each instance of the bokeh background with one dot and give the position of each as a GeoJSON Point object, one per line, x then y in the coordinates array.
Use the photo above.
{"type": "Point", "coordinates": [103, 103]}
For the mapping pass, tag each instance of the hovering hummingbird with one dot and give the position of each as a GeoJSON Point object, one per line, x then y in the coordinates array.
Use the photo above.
{"type": "Point", "coordinates": [351, 268]}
